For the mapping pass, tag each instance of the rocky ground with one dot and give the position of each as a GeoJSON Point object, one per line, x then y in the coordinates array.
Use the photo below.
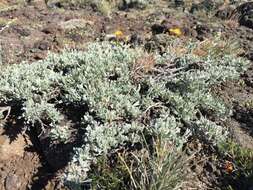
{"type": "Point", "coordinates": [30, 30]}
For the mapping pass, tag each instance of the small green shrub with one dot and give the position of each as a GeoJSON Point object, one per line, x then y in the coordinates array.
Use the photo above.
{"type": "Point", "coordinates": [171, 101]}
{"type": "Point", "coordinates": [241, 159]}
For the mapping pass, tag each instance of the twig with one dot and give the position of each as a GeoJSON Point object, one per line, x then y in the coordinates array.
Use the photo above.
{"type": "Point", "coordinates": [156, 105]}
{"type": "Point", "coordinates": [6, 108]}
{"type": "Point", "coordinates": [7, 25]}
{"type": "Point", "coordinates": [128, 170]}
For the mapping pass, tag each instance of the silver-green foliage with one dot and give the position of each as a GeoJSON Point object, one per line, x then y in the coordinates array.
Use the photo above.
{"type": "Point", "coordinates": [82, 76]}
{"type": "Point", "coordinates": [192, 93]}
{"type": "Point", "coordinates": [100, 79]}
{"type": "Point", "coordinates": [100, 139]}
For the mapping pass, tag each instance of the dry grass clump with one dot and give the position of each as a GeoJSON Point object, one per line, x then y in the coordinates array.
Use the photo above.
{"type": "Point", "coordinates": [218, 47]}
{"type": "Point", "coordinates": [142, 66]}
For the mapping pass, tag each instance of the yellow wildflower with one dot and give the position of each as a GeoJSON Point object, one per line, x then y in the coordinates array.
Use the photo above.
{"type": "Point", "coordinates": [175, 31]}
{"type": "Point", "coordinates": [118, 34]}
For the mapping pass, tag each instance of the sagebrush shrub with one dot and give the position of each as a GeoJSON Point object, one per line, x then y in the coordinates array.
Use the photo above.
{"type": "Point", "coordinates": [118, 110]}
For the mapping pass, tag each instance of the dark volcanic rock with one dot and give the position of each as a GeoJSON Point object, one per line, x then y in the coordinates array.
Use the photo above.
{"type": "Point", "coordinates": [165, 25]}
{"type": "Point", "coordinates": [250, 55]}
{"type": "Point", "coordinates": [225, 12]}
{"type": "Point", "coordinates": [203, 31]}
{"type": "Point", "coordinates": [51, 29]}
{"type": "Point", "coordinates": [158, 29]}
{"type": "Point", "coordinates": [245, 14]}
{"type": "Point", "coordinates": [42, 45]}
{"type": "Point", "coordinates": [247, 20]}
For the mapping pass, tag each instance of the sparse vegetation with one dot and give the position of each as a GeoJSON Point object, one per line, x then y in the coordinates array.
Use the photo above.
{"type": "Point", "coordinates": [128, 111]}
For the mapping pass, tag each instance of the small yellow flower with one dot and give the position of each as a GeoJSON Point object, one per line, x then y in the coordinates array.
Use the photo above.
{"type": "Point", "coordinates": [118, 34]}
{"type": "Point", "coordinates": [175, 31]}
